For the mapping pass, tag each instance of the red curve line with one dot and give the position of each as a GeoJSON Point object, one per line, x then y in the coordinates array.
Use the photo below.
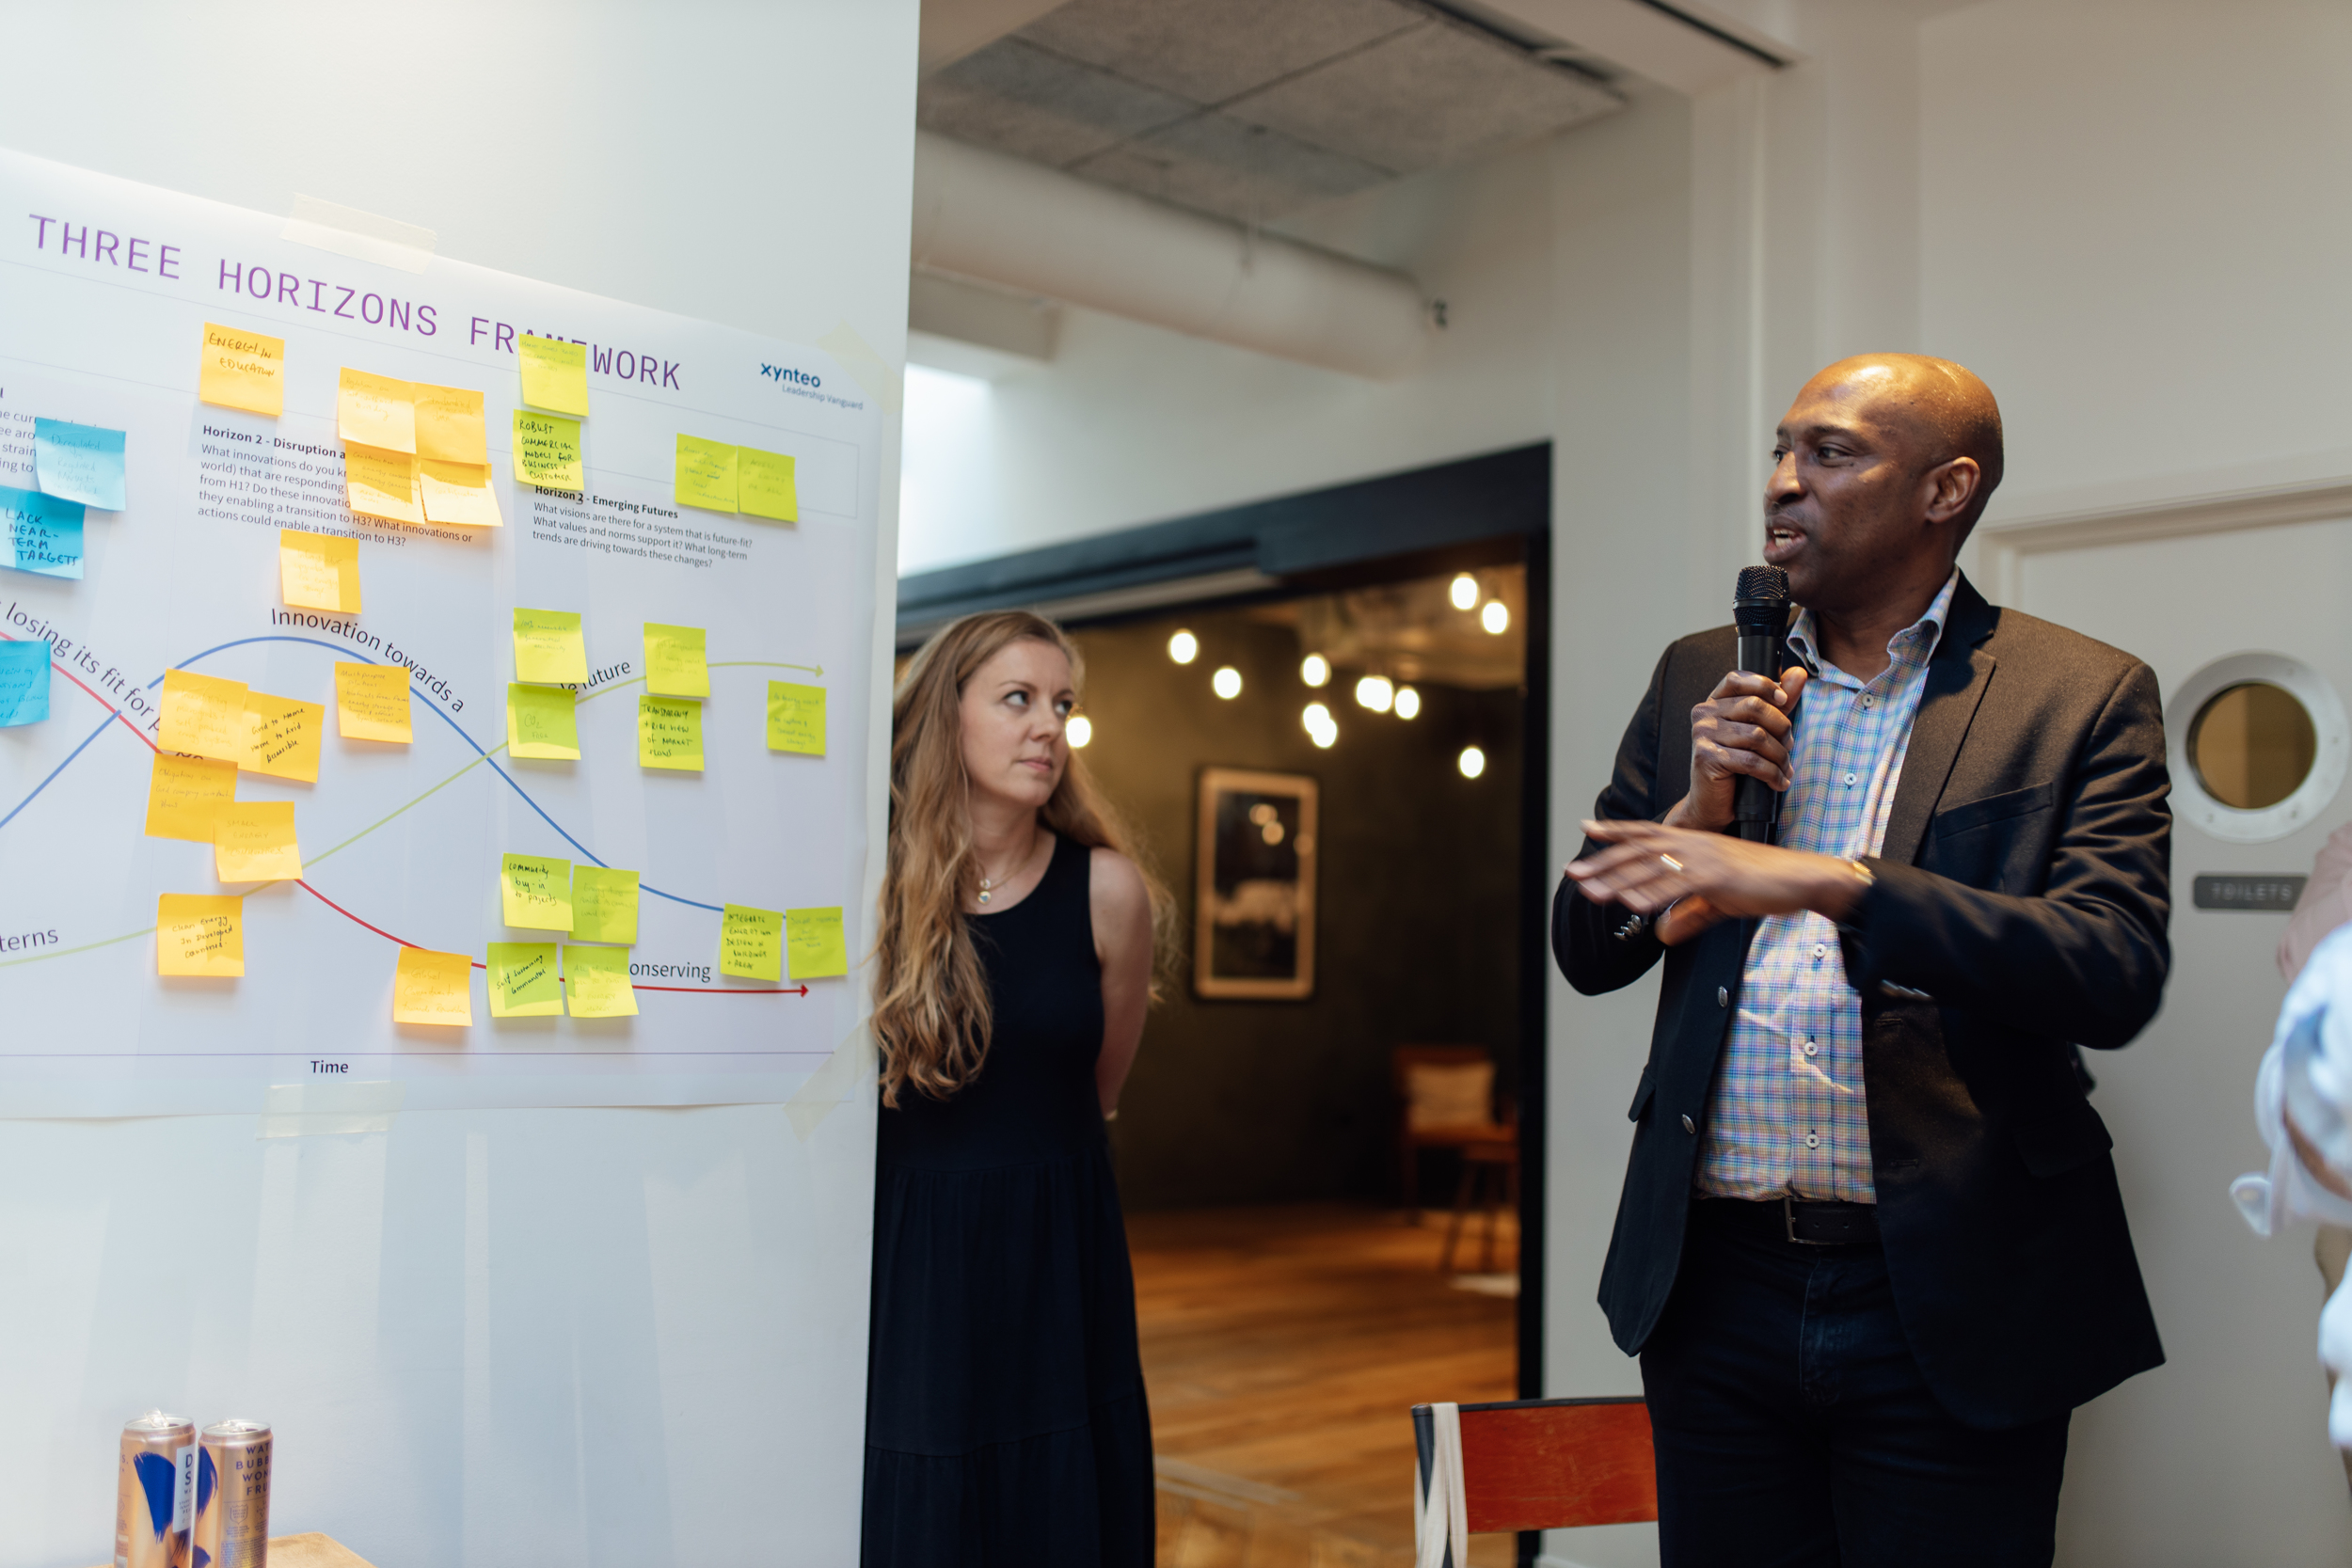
{"type": "Point", "coordinates": [84, 686]}
{"type": "Point", "coordinates": [357, 921]}
{"type": "Point", "coordinates": [694, 990]}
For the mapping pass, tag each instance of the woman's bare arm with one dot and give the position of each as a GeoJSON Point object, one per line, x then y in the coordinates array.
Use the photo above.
{"type": "Point", "coordinates": [1122, 943]}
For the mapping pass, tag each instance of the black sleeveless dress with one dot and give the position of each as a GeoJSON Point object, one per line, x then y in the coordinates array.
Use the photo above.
{"type": "Point", "coordinates": [1005, 1417]}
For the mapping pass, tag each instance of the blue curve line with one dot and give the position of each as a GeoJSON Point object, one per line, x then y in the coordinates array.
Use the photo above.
{"type": "Point", "coordinates": [339, 649]}
{"type": "Point", "coordinates": [59, 768]}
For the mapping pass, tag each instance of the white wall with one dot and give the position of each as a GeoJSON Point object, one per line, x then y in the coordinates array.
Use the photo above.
{"type": "Point", "coordinates": [2132, 221]}
{"type": "Point", "coordinates": [1132, 423]}
{"type": "Point", "coordinates": [2165, 300]}
{"type": "Point", "coordinates": [538, 1328]}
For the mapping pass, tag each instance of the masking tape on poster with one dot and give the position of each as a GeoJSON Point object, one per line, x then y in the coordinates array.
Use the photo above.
{"type": "Point", "coordinates": [316, 1110]}
{"type": "Point", "coordinates": [349, 232]}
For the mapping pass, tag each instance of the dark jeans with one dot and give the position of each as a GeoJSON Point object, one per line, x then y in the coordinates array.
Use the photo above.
{"type": "Point", "coordinates": [1793, 1426]}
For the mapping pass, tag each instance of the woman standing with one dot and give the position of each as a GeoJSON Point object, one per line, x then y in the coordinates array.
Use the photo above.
{"type": "Point", "coordinates": [1005, 1422]}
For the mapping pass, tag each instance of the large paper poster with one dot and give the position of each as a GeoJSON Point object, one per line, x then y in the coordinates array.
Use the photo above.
{"type": "Point", "coordinates": [413, 674]}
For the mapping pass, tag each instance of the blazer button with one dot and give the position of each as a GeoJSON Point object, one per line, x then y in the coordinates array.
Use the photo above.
{"type": "Point", "coordinates": [1723, 996]}
{"type": "Point", "coordinates": [1689, 1126]}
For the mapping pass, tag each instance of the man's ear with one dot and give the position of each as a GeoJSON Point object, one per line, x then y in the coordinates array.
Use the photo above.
{"type": "Point", "coordinates": [1950, 487]}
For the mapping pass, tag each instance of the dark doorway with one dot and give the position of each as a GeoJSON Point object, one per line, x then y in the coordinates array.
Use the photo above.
{"type": "Point", "coordinates": [1288, 1233]}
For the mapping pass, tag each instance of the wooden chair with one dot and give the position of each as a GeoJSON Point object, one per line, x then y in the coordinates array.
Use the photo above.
{"type": "Point", "coordinates": [1547, 1464]}
{"type": "Point", "coordinates": [1492, 1169]}
{"type": "Point", "coordinates": [1441, 1103]}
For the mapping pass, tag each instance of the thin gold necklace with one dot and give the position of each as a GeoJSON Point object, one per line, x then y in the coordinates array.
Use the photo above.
{"type": "Point", "coordinates": [989, 882]}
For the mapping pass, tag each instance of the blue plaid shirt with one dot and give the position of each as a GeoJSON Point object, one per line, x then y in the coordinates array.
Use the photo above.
{"type": "Point", "coordinates": [1788, 1113]}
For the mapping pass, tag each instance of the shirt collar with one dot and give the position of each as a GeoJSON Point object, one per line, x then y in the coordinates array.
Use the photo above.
{"type": "Point", "coordinates": [1911, 646]}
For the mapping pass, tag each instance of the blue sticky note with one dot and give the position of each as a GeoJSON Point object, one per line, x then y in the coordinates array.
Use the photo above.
{"type": "Point", "coordinates": [23, 683]}
{"type": "Point", "coordinates": [42, 533]}
{"type": "Point", "coordinates": [78, 462]}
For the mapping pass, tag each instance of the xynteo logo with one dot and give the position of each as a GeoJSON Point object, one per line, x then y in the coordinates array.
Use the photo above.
{"type": "Point", "coordinates": [784, 376]}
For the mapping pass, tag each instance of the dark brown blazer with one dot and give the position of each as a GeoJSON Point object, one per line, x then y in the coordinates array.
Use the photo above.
{"type": "Point", "coordinates": [2019, 911]}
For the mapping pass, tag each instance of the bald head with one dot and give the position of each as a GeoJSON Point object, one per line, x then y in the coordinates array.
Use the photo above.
{"type": "Point", "coordinates": [1942, 411]}
{"type": "Point", "coordinates": [1884, 463]}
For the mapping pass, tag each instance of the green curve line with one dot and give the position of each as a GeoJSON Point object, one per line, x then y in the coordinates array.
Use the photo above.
{"type": "Point", "coordinates": [817, 669]}
{"type": "Point", "coordinates": [585, 697]}
{"type": "Point", "coordinates": [419, 800]}
{"type": "Point", "coordinates": [69, 952]}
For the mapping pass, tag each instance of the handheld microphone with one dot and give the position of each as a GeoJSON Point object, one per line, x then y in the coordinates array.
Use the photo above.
{"type": "Point", "coordinates": [1759, 608]}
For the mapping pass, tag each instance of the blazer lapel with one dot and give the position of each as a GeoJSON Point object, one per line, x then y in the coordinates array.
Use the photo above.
{"type": "Point", "coordinates": [1957, 677]}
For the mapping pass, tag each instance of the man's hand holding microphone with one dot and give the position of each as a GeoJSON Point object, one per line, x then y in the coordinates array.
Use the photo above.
{"type": "Point", "coordinates": [1691, 869]}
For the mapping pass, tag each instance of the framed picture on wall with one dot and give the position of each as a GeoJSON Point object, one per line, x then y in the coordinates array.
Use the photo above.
{"type": "Point", "coordinates": [1254, 890]}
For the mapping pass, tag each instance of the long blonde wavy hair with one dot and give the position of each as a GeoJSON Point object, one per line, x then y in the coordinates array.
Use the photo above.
{"type": "Point", "coordinates": [933, 1021]}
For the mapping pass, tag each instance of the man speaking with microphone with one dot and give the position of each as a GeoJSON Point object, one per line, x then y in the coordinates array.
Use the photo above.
{"type": "Point", "coordinates": [1870, 1248]}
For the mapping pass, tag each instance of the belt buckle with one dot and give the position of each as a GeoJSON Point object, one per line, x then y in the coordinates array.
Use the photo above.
{"type": "Point", "coordinates": [1789, 1222]}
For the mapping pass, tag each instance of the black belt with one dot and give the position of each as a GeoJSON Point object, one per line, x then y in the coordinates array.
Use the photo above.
{"type": "Point", "coordinates": [1803, 1221]}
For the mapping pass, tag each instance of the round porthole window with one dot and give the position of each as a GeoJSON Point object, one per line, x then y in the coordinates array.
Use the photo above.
{"type": "Point", "coordinates": [2259, 747]}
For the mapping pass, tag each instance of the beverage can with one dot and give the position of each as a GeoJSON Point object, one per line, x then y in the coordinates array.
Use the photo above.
{"type": "Point", "coordinates": [155, 1472]}
{"type": "Point", "coordinates": [232, 1496]}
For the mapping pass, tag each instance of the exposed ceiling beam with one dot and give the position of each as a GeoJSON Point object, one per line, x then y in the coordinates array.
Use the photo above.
{"type": "Point", "coordinates": [954, 28]}
{"type": "Point", "coordinates": [960, 326]}
{"type": "Point", "coordinates": [1038, 231]}
{"type": "Point", "coordinates": [1676, 44]}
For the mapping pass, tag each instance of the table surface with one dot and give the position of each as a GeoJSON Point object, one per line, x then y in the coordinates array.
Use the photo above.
{"type": "Point", "coordinates": [312, 1550]}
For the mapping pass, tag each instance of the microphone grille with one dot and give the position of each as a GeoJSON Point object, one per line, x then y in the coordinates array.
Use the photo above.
{"type": "Point", "coordinates": [1768, 584]}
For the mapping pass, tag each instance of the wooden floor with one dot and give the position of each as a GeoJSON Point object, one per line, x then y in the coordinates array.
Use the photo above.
{"type": "Point", "coordinates": [1284, 1348]}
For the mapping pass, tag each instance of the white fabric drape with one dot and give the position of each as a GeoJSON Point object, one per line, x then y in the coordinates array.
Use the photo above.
{"type": "Point", "coordinates": [1441, 1518]}
{"type": "Point", "coordinates": [2318, 1007]}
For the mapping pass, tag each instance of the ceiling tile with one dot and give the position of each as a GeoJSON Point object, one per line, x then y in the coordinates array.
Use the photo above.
{"type": "Point", "coordinates": [1436, 95]}
{"type": "Point", "coordinates": [1036, 104]}
{"type": "Point", "coordinates": [1218, 164]}
{"type": "Point", "coordinates": [1210, 50]}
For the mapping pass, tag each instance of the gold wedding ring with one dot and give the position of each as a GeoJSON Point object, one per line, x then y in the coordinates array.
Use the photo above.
{"type": "Point", "coordinates": [1671, 863]}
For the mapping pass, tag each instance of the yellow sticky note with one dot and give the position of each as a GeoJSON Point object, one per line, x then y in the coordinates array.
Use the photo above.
{"type": "Point", "coordinates": [432, 987]}
{"type": "Point", "coordinates": [540, 722]}
{"type": "Point", "coordinates": [535, 892]}
{"type": "Point", "coordinates": [705, 474]}
{"type": "Point", "coordinates": [457, 494]}
{"type": "Point", "coordinates": [375, 411]}
{"type": "Point", "coordinates": [524, 981]}
{"type": "Point", "coordinates": [204, 715]}
{"type": "Point", "coordinates": [318, 571]}
{"type": "Point", "coordinates": [764, 485]}
{"type": "Point", "coordinates": [596, 981]}
{"type": "Point", "coordinates": [449, 424]}
{"type": "Point", "coordinates": [199, 933]}
{"type": "Point", "coordinates": [796, 718]}
{"type": "Point", "coordinates": [547, 648]}
{"type": "Point", "coordinates": [243, 370]}
{"type": "Point", "coordinates": [282, 735]}
{"type": "Point", "coordinates": [547, 452]}
{"type": "Point", "coordinates": [372, 703]}
{"type": "Point", "coordinates": [751, 942]}
{"type": "Point", "coordinates": [669, 733]}
{"type": "Point", "coordinates": [555, 374]}
{"type": "Point", "coordinates": [604, 904]}
{"type": "Point", "coordinates": [185, 796]}
{"type": "Point", "coordinates": [253, 841]}
{"type": "Point", "coordinates": [378, 482]}
{"type": "Point", "coordinates": [815, 942]}
{"type": "Point", "coordinates": [676, 664]}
